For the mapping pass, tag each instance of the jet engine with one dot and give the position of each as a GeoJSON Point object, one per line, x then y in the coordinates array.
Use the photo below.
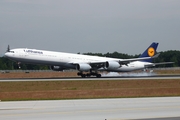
{"type": "Point", "coordinates": [112, 65]}
{"type": "Point", "coordinates": [83, 67]}
{"type": "Point", "coordinates": [56, 68]}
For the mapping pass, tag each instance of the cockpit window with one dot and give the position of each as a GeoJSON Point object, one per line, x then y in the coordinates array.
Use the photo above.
{"type": "Point", "coordinates": [11, 51]}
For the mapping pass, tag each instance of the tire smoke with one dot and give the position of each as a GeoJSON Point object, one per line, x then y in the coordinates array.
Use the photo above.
{"type": "Point", "coordinates": [128, 74]}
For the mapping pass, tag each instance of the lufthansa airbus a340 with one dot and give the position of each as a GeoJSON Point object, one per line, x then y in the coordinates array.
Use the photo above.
{"type": "Point", "coordinates": [60, 61]}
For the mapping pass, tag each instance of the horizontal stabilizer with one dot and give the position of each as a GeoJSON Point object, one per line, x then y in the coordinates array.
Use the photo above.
{"type": "Point", "coordinates": [126, 61]}
{"type": "Point", "coordinates": [162, 63]}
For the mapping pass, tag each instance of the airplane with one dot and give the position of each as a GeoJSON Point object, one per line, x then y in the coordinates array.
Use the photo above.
{"type": "Point", "coordinates": [85, 64]}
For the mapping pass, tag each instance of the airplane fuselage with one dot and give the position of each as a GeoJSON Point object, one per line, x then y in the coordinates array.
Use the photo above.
{"type": "Point", "coordinates": [68, 60]}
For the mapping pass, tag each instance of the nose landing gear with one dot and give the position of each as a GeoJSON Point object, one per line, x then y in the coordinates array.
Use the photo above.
{"type": "Point", "coordinates": [18, 63]}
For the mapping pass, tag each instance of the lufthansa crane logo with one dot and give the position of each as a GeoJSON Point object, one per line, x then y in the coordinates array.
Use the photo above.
{"type": "Point", "coordinates": [151, 51]}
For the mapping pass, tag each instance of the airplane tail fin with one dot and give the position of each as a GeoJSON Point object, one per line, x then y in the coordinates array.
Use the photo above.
{"type": "Point", "coordinates": [150, 52]}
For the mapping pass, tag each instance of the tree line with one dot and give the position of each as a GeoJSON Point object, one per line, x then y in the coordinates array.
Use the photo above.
{"type": "Point", "coordinates": [167, 56]}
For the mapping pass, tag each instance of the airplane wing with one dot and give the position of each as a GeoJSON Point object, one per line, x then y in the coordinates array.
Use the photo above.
{"type": "Point", "coordinates": [99, 64]}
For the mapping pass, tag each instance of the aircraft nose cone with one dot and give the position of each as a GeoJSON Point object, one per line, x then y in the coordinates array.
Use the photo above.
{"type": "Point", "coordinates": [6, 54]}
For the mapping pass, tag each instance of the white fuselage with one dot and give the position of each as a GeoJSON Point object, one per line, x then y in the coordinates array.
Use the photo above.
{"type": "Point", "coordinates": [67, 60]}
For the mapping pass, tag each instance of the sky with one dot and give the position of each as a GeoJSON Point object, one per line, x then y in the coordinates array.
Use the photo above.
{"type": "Point", "coordinates": [97, 26]}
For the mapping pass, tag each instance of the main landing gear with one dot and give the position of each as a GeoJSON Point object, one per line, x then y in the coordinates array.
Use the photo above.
{"type": "Point", "coordinates": [89, 74]}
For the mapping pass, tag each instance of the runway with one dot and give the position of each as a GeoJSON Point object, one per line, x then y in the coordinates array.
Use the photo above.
{"type": "Point", "coordinates": [153, 77]}
{"type": "Point", "coordinates": [93, 109]}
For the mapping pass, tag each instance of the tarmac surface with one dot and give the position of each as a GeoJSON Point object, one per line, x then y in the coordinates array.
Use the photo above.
{"type": "Point", "coordinates": [155, 77]}
{"type": "Point", "coordinates": [156, 108]}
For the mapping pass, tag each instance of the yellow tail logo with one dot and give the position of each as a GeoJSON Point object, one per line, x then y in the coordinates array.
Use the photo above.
{"type": "Point", "coordinates": [151, 51]}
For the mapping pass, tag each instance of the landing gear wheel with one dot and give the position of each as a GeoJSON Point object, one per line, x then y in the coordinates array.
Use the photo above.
{"type": "Point", "coordinates": [98, 75]}
{"type": "Point", "coordinates": [88, 75]}
{"type": "Point", "coordinates": [83, 75]}
{"type": "Point", "coordinates": [79, 74]}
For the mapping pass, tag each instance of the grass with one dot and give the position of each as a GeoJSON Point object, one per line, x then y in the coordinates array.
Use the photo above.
{"type": "Point", "coordinates": [37, 74]}
{"type": "Point", "coordinates": [43, 90]}
{"type": "Point", "coordinates": [64, 74]}
{"type": "Point", "coordinates": [53, 90]}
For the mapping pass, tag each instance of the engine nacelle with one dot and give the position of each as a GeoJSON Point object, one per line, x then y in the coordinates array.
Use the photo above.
{"type": "Point", "coordinates": [56, 68]}
{"type": "Point", "coordinates": [83, 67]}
{"type": "Point", "coordinates": [112, 65]}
